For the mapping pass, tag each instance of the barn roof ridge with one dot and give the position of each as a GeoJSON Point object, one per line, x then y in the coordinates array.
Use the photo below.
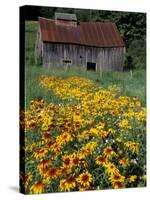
{"type": "Point", "coordinates": [83, 22]}
{"type": "Point", "coordinates": [65, 16]}
{"type": "Point", "coordinates": [98, 34]}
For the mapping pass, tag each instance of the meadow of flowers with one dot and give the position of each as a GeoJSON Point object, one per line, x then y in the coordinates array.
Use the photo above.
{"type": "Point", "coordinates": [92, 138]}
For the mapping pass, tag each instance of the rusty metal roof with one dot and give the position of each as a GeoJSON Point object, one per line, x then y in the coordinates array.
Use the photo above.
{"type": "Point", "coordinates": [97, 34]}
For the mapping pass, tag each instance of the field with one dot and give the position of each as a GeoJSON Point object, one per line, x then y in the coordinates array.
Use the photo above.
{"type": "Point", "coordinates": [83, 130]}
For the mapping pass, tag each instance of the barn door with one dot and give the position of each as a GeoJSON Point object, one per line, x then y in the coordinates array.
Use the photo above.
{"type": "Point", "coordinates": [91, 66]}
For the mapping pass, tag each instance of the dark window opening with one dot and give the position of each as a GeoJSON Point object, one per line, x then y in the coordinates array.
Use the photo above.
{"type": "Point", "coordinates": [67, 61]}
{"type": "Point", "coordinates": [91, 66]}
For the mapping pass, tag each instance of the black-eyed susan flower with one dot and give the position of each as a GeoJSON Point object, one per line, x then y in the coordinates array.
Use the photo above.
{"type": "Point", "coordinates": [124, 123]}
{"type": "Point", "coordinates": [85, 178]}
{"type": "Point", "coordinates": [46, 137]}
{"type": "Point", "coordinates": [43, 165]}
{"type": "Point", "coordinates": [67, 184]}
{"type": "Point", "coordinates": [119, 139]}
{"type": "Point", "coordinates": [101, 160]}
{"type": "Point", "coordinates": [37, 188]}
{"type": "Point", "coordinates": [124, 162]}
{"type": "Point", "coordinates": [40, 153]}
{"type": "Point", "coordinates": [83, 135]}
{"type": "Point", "coordinates": [62, 185]}
{"type": "Point", "coordinates": [70, 183]}
{"type": "Point", "coordinates": [64, 138]}
{"type": "Point", "coordinates": [56, 148]}
{"type": "Point", "coordinates": [132, 146]}
{"type": "Point", "coordinates": [52, 173]}
{"type": "Point", "coordinates": [64, 170]}
{"type": "Point", "coordinates": [103, 134]}
{"type": "Point", "coordinates": [111, 168]}
{"type": "Point", "coordinates": [76, 161]}
{"type": "Point", "coordinates": [32, 124]}
{"type": "Point", "coordinates": [94, 131]}
{"type": "Point", "coordinates": [132, 179]}
{"type": "Point", "coordinates": [108, 152]}
{"type": "Point", "coordinates": [83, 152]}
{"type": "Point", "coordinates": [67, 161]}
{"type": "Point", "coordinates": [115, 179]}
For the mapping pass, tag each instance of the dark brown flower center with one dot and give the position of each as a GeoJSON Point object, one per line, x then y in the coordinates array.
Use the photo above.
{"type": "Point", "coordinates": [116, 177]}
{"type": "Point", "coordinates": [70, 180]}
{"type": "Point", "coordinates": [52, 172]}
{"type": "Point", "coordinates": [76, 161]}
{"type": "Point", "coordinates": [85, 178]}
{"type": "Point", "coordinates": [67, 161]}
{"type": "Point", "coordinates": [101, 159]}
{"type": "Point", "coordinates": [120, 185]}
{"type": "Point", "coordinates": [108, 151]}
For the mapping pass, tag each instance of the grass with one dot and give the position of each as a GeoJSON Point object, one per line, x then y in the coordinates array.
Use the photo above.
{"type": "Point", "coordinates": [135, 86]}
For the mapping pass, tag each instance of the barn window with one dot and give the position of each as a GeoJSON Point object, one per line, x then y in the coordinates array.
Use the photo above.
{"type": "Point", "coordinates": [91, 66]}
{"type": "Point", "coordinates": [68, 61]}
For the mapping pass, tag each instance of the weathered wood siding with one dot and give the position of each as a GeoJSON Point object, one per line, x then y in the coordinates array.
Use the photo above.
{"type": "Point", "coordinates": [38, 46]}
{"type": "Point", "coordinates": [105, 58]}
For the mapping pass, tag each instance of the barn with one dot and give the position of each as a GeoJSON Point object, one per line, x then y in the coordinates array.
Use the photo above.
{"type": "Point", "coordinates": [64, 41]}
